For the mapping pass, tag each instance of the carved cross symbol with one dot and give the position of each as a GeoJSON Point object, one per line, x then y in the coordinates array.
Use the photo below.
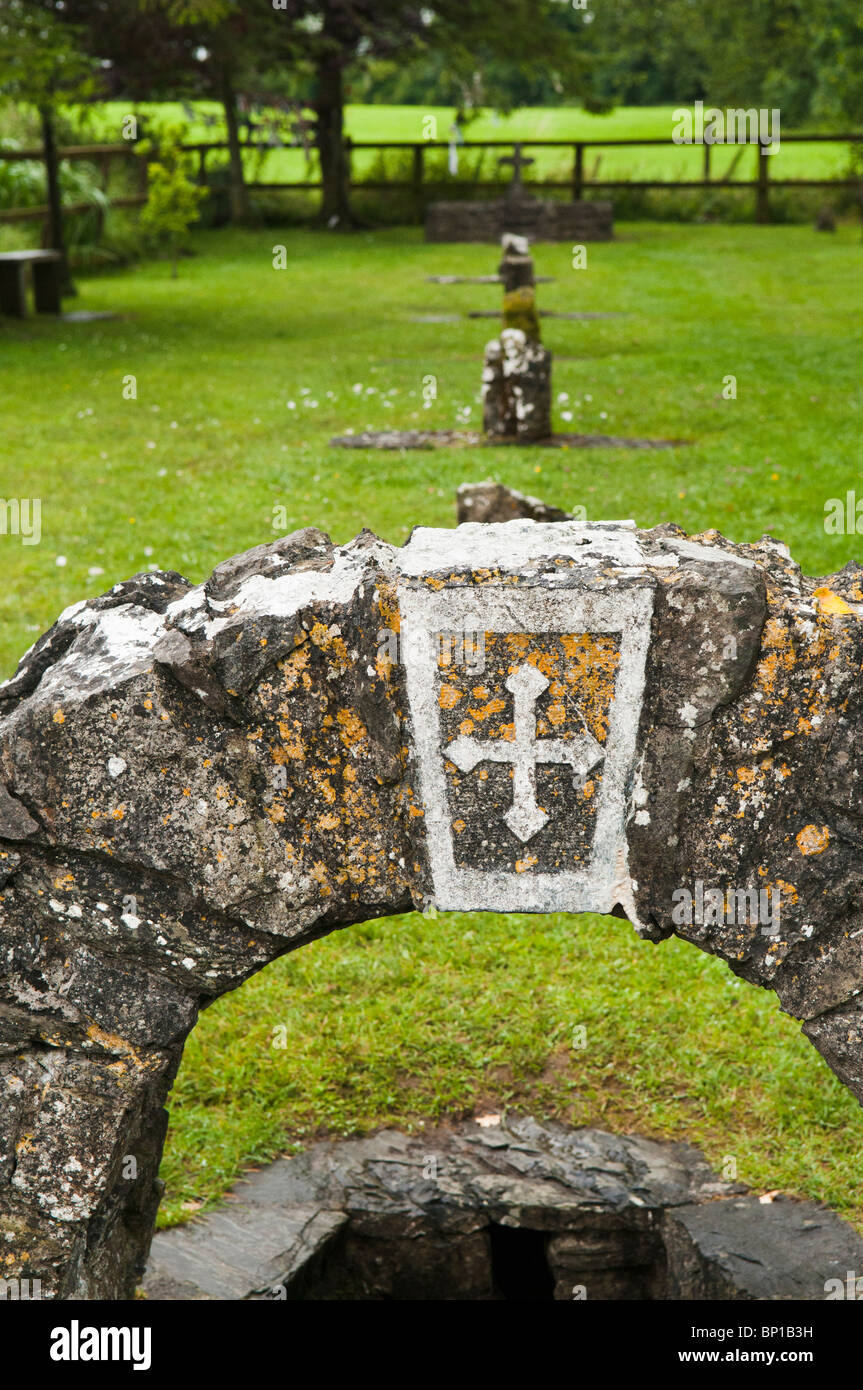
{"type": "Point", "coordinates": [518, 161]}
{"type": "Point", "coordinates": [525, 818]}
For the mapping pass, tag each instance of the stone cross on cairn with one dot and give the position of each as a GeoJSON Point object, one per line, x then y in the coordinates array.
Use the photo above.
{"type": "Point", "coordinates": [518, 161]}
{"type": "Point", "coordinates": [525, 818]}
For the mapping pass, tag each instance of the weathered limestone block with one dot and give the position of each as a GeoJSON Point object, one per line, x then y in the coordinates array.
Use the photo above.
{"type": "Point", "coordinates": [519, 287]}
{"type": "Point", "coordinates": [516, 717]}
{"type": "Point", "coordinates": [516, 388]}
{"type": "Point", "coordinates": [516, 266]}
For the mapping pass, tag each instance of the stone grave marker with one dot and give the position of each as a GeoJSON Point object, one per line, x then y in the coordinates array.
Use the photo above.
{"type": "Point", "coordinates": [516, 378]}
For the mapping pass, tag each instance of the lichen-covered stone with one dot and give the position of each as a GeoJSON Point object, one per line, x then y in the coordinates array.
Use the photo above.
{"type": "Point", "coordinates": [519, 311]}
{"type": "Point", "coordinates": [491, 501]}
{"type": "Point", "coordinates": [516, 265]}
{"type": "Point", "coordinates": [197, 779]}
{"type": "Point", "coordinates": [516, 388]}
{"type": "Point", "coordinates": [519, 288]}
{"type": "Point", "coordinates": [516, 379]}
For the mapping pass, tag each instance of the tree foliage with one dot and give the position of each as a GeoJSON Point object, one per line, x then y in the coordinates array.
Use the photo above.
{"type": "Point", "coordinates": [42, 60]}
{"type": "Point", "coordinates": [173, 197]}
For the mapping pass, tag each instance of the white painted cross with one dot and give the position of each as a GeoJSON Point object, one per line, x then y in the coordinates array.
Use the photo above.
{"type": "Point", "coordinates": [525, 818]}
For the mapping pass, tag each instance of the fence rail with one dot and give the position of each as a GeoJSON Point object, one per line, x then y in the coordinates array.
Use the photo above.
{"type": "Point", "coordinates": [421, 187]}
{"type": "Point", "coordinates": [98, 154]}
{"type": "Point", "coordinates": [578, 183]}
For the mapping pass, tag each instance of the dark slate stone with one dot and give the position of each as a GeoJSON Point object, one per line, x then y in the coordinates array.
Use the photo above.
{"type": "Point", "coordinates": [396, 1215]}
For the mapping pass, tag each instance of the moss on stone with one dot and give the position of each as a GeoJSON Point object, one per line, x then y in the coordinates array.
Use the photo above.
{"type": "Point", "coordinates": [519, 311]}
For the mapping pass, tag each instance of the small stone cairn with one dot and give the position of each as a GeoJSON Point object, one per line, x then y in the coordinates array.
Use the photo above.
{"type": "Point", "coordinates": [516, 378]}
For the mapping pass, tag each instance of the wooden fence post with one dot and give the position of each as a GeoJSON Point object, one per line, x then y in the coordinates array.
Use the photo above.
{"type": "Point", "coordinates": [105, 172]}
{"type": "Point", "coordinates": [418, 183]}
{"type": "Point", "coordinates": [578, 173]}
{"type": "Point", "coordinates": [762, 199]}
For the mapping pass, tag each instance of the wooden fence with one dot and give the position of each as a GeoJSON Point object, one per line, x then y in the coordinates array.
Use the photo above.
{"type": "Point", "coordinates": [579, 183]}
{"type": "Point", "coordinates": [421, 188]}
{"type": "Point", "coordinates": [101, 155]}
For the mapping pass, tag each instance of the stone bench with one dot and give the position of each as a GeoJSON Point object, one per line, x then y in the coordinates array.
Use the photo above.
{"type": "Point", "coordinates": [47, 271]}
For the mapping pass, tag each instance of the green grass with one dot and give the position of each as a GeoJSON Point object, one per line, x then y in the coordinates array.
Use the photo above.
{"type": "Point", "coordinates": [532, 123]}
{"type": "Point", "coordinates": [413, 1018]}
{"type": "Point", "coordinates": [669, 163]}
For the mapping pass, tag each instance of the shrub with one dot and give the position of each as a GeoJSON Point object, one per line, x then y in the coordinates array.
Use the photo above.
{"type": "Point", "coordinates": [172, 196]}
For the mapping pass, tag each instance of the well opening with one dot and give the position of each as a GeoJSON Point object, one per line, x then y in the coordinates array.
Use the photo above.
{"type": "Point", "coordinates": [512, 1210]}
{"type": "Point", "coordinates": [494, 1263]}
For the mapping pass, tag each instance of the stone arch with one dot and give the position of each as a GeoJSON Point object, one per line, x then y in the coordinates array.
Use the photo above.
{"type": "Point", "coordinates": [518, 716]}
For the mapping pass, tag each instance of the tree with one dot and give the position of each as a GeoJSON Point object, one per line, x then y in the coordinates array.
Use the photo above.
{"type": "Point", "coordinates": [234, 39]}
{"type": "Point", "coordinates": [178, 49]}
{"type": "Point", "coordinates": [140, 54]}
{"type": "Point", "coordinates": [42, 63]}
{"type": "Point", "coordinates": [314, 47]}
{"type": "Point", "coordinates": [803, 56]}
{"type": "Point", "coordinates": [172, 195]}
{"type": "Point", "coordinates": [836, 32]}
{"type": "Point", "coordinates": [338, 38]}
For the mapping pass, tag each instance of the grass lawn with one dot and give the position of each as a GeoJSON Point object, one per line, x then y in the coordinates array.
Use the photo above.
{"type": "Point", "coordinates": [381, 122]}
{"type": "Point", "coordinates": [243, 374]}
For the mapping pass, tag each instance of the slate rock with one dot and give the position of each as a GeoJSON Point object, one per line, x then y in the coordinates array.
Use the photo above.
{"type": "Point", "coordinates": [422, 1215]}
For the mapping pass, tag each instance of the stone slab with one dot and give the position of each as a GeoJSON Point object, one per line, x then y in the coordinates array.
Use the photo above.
{"type": "Point", "coordinates": [447, 439]}
{"type": "Point", "coordinates": [89, 316]}
{"type": "Point", "coordinates": [238, 1252]}
{"type": "Point", "coordinates": [544, 314]}
{"type": "Point", "coordinates": [626, 1216]}
{"type": "Point", "coordinates": [746, 1248]}
{"type": "Point", "coordinates": [481, 279]}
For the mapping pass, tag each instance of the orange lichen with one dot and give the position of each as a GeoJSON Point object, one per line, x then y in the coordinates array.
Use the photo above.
{"type": "Point", "coordinates": [449, 696]}
{"type": "Point", "coordinates": [813, 839]}
{"type": "Point", "coordinates": [482, 712]}
{"type": "Point", "coordinates": [293, 668]}
{"type": "Point", "coordinates": [292, 743]}
{"type": "Point", "coordinates": [353, 728]}
{"type": "Point", "coordinates": [831, 603]}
